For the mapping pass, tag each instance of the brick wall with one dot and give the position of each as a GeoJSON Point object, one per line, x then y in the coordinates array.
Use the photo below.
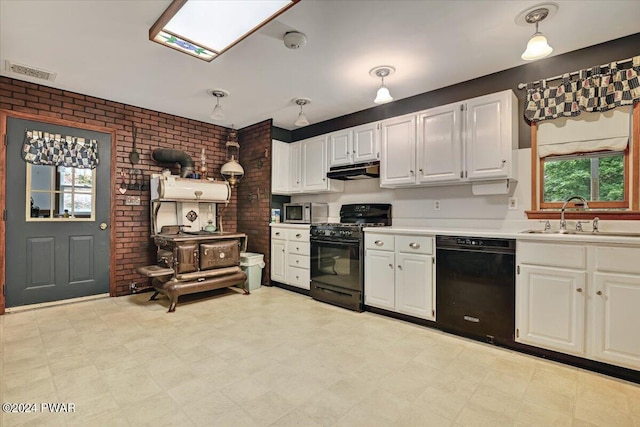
{"type": "Point", "coordinates": [254, 192]}
{"type": "Point", "coordinates": [154, 130]}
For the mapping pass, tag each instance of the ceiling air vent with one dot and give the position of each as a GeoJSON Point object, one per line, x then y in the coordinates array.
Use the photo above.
{"type": "Point", "coordinates": [29, 71]}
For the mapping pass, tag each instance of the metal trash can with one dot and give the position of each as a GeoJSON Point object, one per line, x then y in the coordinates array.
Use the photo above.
{"type": "Point", "coordinates": [252, 264]}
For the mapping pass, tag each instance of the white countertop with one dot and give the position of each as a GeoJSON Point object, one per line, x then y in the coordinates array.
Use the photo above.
{"type": "Point", "coordinates": [294, 226]}
{"type": "Point", "coordinates": [519, 235]}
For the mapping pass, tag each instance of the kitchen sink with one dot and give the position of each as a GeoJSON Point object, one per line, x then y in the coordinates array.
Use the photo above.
{"type": "Point", "coordinates": [584, 233]}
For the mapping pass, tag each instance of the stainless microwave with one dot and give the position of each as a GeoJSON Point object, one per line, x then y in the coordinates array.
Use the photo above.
{"type": "Point", "coordinates": [305, 213]}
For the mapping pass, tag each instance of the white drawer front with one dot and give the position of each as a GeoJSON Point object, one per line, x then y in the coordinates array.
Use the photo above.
{"type": "Point", "coordinates": [382, 242]}
{"type": "Point", "coordinates": [616, 259]}
{"type": "Point", "coordinates": [298, 235]}
{"type": "Point", "coordinates": [278, 233]}
{"type": "Point", "coordinates": [415, 244]}
{"type": "Point", "coordinates": [552, 254]}
{"type": "Point", "coordinates": [298, 277]}
{"type": "Point", "coordinates": [300, 248]}
{"type": "Point", "coordinates": [300, 261]}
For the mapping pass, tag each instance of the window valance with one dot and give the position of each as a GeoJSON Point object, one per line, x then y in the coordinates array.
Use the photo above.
{"type": "Point", "coordinates": [43, 148]}
{"type": "Point", "coordinates": [593, 91]}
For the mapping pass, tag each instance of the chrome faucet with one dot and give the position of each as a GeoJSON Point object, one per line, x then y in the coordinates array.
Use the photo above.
{"type": "Point", "coordinates": [563, 222]}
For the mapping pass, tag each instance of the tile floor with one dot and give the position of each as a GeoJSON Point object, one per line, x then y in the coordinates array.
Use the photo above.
{"type": "Point", "coordinates": [277, 358]}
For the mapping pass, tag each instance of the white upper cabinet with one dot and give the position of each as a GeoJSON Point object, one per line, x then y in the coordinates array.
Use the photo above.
{"type": "Point", "coordinates": [366, 143]}
{"type": "Point", "coordinates": [462, 142]}
{"type": "Point", "coordinates": [398, 148]}
{"type": "Point", "coordinates": [280, 173]}
{"type": "Point", "coordinates": [354, 145]}
{"type": "Point", "coordinates": [301, 167]}
{"type": "Point", "coordinates": [295, 178]}
{"type": "Point", "coordinates": [340, 147]}
{"type": "Point", "coordinates": [491, 135]}
{"type": "Point", "coordinates": [440, 144]}
{"type": "Point", "coordinates": [314, 164]}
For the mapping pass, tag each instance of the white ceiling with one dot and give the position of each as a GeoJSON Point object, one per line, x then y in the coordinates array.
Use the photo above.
{"type": "Point", "coordinates": [101, 48]}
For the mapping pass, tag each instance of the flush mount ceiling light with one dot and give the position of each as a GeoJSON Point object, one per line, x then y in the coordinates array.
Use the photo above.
{"type": "Point", "coordinates": [217, 113]}
{"type": "Point", "coordinates": [302, 119]}
{"type": "Point", "coordinates": [538, 47]}
{"type": "Point", "coordinates": [207, 28]}
{"type": "Point", "coordinates": [382, 96]}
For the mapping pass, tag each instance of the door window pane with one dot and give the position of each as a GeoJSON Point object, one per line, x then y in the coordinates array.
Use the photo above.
{"type": "Point", "coordinates": [60, 193]}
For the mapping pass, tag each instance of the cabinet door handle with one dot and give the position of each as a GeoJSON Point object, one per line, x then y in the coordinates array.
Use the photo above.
{"type": "Point", "coordinates": [504, 162]}
{"type": "Point", "coordinates": [420, 170]}
{"type": "Point", "coordinates": [298, 235]}
{"type": "Point", "coordinates": [599, 293]}
{"type": "Point", "coordinates": [354, 151]}
{"type": "Point", "coordinates": [412, 172]}
{"type": "Point", "coordinates": [379, 243]}
{"type": "Point", "coordinates": [390, 265]}
{"type": "Point", "coordinates": [278, 233]}
{"type": "Point", "coordinates": [414, 245]}
{"type": "Point", "coordinates": [399, 267]}
{"type": "Point", "coordinates": [579, 290]}
{"type": "Point", "coordinates": [297, 261]}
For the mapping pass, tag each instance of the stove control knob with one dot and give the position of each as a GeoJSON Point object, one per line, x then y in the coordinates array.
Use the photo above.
{"type": "Point", "coordinates": [333, 233]}
{"type": "Point", "coordinates": [347, 233]}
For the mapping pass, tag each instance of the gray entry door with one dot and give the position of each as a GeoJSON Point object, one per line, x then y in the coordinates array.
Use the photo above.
{"type": "Point", "coordinates": [52, 260]}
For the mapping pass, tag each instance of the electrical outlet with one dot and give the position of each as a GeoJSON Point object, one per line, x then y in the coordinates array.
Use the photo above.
{"type": "Point", "coordinates": [513, 203]}
{"type": "Point", "coordinates": [436, 205]}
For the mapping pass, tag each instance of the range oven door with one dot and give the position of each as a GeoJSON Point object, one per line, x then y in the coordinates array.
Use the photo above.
{"type": "Point", "coordinates": [337, 272]}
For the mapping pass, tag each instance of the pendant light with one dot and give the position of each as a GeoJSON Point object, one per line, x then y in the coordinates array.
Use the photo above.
{"type": "Point", "coordinates": [217, 113]}
{"type": "Point", "coordinates": [232, 171]}
{"type": "Point", "coordinates": [382, 96]}
{"type": "Point", "coordinates": [302, 119]}
{"type": "Point", "coordinates": [538, 47]}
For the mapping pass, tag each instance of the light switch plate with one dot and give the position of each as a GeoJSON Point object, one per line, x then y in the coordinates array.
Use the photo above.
{"type": "Point", "coordinates": [436, 205]}
{"type": "Point", "coordinates": [513, 203]}
{"type": "Point", "coordinates": [132, 201]}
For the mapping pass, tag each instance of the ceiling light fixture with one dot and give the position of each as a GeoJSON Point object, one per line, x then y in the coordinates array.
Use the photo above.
{"type": "Point", "coordinates": [382, 96]}
{"type": "Point", "coordinates": [206, 28]}
{"type": "Point", "coordinates": [217, 113]}
{"type": "Point", "coordinates": [538, 47]}
{"type": "Point", "coordinates": [302, 119]}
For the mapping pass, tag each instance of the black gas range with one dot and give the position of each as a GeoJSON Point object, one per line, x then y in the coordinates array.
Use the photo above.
{"type": "Point", "coordinates": [337, 254]}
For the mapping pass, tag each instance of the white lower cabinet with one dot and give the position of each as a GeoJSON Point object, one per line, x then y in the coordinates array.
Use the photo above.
{"type": "Point", "coordinates": [399, 274]}
{"type": "Point", "coordinates": [580, 299]}
{"type": "Point", "coordinates": [379, 282]}
{"type": "Point", "coordinates": [290, 255]}
{"type": "Point", "coordinates": [551, 304]}
{"type": "Point", "coordinates": [278, 260]}
{"type": "Point", "coordinates": [616, 303]}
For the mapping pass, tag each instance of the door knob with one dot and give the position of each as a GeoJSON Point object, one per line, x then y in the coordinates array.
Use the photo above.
{"type": "Point", "coordinates": [103, 226]}
{"type": "Point", "coordinates": [599, 293]}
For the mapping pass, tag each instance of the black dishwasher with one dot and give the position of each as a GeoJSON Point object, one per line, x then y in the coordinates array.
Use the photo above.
{"type": "Point", "coordinates": [475, 287]}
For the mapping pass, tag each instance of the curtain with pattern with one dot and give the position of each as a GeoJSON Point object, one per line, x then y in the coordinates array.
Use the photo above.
{"type": "Point", "coordinates": [43, 148]}
{"type": "Point", "coordinates": [593, 91]}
